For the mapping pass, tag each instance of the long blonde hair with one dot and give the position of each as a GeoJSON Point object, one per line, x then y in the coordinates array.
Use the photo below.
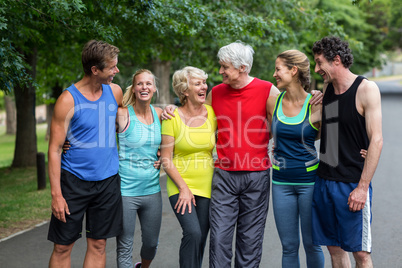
{"type": "Point", "coordinates": [129, 96]}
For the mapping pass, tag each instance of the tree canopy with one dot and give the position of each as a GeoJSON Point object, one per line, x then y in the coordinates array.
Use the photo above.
{"type": "Point", "coordinates": [41, 40]}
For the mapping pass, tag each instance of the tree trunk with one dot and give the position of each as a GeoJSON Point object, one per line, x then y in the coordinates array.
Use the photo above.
{"type": "Point", "coordinates": [11, 123]}
{"type": "Point", "coordinates": [25, 142]}
{"type": "Point", "coordinates": [162, 72]}
{"type": "Point", "coordinates": [56, 91]}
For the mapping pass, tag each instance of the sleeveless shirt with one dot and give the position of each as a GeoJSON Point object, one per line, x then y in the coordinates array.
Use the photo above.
{"type": "Point", "coordinates": [243, 132]}
{"type": "Point", "coordinates": [138, 147]}
{"type": "Point", "coordinates": [343, 135]}
{"type": "Point", "coordinates": [92, 135]}
{"type": "Point", "coordinates": [295, 157]}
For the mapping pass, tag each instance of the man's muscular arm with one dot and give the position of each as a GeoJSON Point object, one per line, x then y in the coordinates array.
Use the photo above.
{"type": "Point", "coordinates": [368, 103]}
{"type": "Point", "coordinates": [118, 94]}
{"type": "Point", "coordinates": [63, 112]}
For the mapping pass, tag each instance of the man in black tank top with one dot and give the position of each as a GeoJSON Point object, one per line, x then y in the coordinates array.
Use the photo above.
{"type": "Point", "coordinates": [351, 121]}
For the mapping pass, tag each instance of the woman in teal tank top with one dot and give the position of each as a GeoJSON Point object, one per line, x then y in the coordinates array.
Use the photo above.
{"type": "Point", "coordinates": [295, 125]}
{"type": "Point", "coordinates": [139, 137]}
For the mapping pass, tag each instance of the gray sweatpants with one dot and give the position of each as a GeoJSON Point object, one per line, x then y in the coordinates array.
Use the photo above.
{"type": "Point", "coordinates": [238, 197]}
{"type": "Point", "coordinates": [149, 210]}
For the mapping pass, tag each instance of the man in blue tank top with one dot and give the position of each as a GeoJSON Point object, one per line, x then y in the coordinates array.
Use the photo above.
{"type": "Point", "coordinates": [351, 121]}
{"type": "Point", "coordinates": [85, 180]}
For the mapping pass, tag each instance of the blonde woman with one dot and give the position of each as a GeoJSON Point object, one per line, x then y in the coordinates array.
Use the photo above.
{"type": "Point", "coordinates": [139, 136]}
{"type": "Point", "coordinates": [187, 143]}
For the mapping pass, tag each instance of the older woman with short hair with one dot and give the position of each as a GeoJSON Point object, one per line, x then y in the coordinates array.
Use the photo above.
{"type": "Point", "coordinates": [186, 153]}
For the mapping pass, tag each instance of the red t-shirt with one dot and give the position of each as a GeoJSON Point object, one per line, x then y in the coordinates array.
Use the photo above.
{"type": "Point", "coordinates": [243, 132]}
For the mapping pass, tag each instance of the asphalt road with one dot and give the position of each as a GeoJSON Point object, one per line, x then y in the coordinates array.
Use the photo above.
{"type": "Point", "coordinates": [31, 249]}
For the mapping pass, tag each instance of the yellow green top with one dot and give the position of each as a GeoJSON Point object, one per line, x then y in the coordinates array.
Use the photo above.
{"type": "Point", "coordinates": [192, 154]}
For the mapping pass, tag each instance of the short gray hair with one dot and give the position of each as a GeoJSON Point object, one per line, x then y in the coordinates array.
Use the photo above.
{"type": "Point", "coordinates": [238, 54]}
{"type": "Point", "coordinates": [181, 80]}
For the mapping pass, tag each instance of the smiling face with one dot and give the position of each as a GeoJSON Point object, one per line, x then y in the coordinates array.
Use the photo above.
{"type": "Point", "coordinates": [282, 74]}
{"type": "Point", "coordinates": [108, 73]}
{"type": "Point", "coordinates": [230, 75]}
{"type": "Point", "coordinates": [144, 87]}
{"type": "Point", "coordinates": [323, 67]}
{"type": "Point", "coordinates": [197, 90]}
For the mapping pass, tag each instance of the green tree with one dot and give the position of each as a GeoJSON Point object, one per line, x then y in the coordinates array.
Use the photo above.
{"type": "Point", "coordinates": [394, 39]}
{"type": "Point", "coordinates": [178, 33]}
{"type": "Point", "coordinates": [363, 36]}
{"type": "Point", "coordinates": [47, 35]}
{"type": "Point", "coordinates": [30, 28]}
{"type": "Point", "coordinates": [385, 16]}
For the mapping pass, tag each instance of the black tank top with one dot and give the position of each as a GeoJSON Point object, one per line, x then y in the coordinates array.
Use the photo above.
{"type": "Point", "coordinates": [343, 135]}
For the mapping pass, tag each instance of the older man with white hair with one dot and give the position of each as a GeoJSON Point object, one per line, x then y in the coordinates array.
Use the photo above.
{"type": "Point", "coordinates": [241, 183]}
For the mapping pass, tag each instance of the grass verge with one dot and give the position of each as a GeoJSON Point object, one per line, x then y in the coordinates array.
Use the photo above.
{"type": "Point", "coordinates": [21, 205]}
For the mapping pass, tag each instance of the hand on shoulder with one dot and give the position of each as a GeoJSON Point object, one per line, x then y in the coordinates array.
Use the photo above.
{"type": "Point", "coordinates": [316, 98]}
{"type": "Point", "coordinates": [168, 112]}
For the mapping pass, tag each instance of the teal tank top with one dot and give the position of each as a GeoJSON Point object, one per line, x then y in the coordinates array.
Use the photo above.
{"type": "Point", "coordinates": [295, 157]}
{"type": "Point", "coordinates": [92, 136]}
{"type": "Point", "coordinates": [138, 147]}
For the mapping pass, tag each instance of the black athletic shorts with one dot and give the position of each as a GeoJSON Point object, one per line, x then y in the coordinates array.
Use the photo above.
{"type": "Point", "coordinates": [99, 201]}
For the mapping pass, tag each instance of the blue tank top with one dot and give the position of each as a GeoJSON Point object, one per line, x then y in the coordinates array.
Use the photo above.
{"type": "Point", "coordinates": [295, 157]}
{"type": "Point", "coordinates": [138, 147]}
{"type": "Point", "coordinates": [92, 135]}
